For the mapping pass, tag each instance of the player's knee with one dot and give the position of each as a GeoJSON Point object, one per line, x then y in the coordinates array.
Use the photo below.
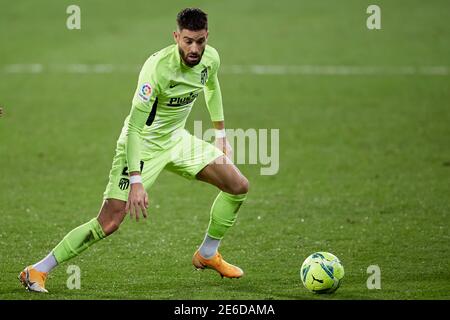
{"type": "Point", "coordinates": [111, 216]}
{"type": "Point", "coordinates": [111, 226]}
{"type": "Point", "coordinates": [240, 187]}
{"type": "Point", "coordinates": [245, 185]}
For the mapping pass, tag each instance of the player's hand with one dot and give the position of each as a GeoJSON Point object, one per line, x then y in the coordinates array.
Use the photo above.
{"type": "Point", "coordinates": [137, 201]}
{"type": "Point", "coordinates": [223, 145]}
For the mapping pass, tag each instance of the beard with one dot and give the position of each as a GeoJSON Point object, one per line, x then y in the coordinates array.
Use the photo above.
{"type": "Point", "coordinates": [191, 60]}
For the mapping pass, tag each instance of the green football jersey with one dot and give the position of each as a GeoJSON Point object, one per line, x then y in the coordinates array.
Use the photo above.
{"type": "Point", "coordinates": [165, 94]}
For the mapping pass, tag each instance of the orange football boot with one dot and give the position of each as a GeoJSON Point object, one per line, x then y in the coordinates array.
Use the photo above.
{"type": "Point", "coordinates": [33, 280]}
{"type": "Point", "coordinates": [217, 263]}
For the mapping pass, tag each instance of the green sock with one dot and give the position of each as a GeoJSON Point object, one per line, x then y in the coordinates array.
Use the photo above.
{"type": "Point", "coordinates": [223, 213]}
{"type": "Point", "coordinates": [78, 240]}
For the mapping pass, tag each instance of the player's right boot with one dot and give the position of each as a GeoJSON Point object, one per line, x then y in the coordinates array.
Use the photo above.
{"type": "Point", "coordinates": [217, 263]}
{"type": "Point", "coordinates": [33, 280]}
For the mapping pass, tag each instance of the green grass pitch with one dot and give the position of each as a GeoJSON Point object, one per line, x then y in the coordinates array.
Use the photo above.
{"type": "Point", "coordinates": [364, 158]}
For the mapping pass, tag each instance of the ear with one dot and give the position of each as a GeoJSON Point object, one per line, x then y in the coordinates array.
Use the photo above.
{"type": "Point", "coordinates": [176, 35]}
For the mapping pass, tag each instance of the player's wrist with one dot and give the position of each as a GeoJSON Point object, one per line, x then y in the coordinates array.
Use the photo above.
{"type": "Point", "coordinates": [135, 179]}
{"type": "Point", "coordinates": [220, 133]}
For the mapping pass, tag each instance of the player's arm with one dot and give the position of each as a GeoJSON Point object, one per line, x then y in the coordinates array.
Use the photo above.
{"type": "Point", "coordinates": [137, 197]}
{"type": "Point", "coordinates": [213, 98]}
{"type": "Point", "coordinates": [221, 140]}
{"type": "Point", "coordinates": [143, 101]}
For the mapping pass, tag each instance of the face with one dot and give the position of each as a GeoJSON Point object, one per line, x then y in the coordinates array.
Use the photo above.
{"type": "Point", "coordinates": [191, 45]}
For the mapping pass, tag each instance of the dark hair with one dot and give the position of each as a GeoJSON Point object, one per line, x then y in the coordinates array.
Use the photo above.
{"type": "Point", "coordinates": [192, 19]}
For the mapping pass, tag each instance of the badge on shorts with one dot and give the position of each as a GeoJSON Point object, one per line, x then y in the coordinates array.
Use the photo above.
{"type": "Point", "coordinates": [124, 183]}
{"type": "Point", "coordinates": [145, 92]}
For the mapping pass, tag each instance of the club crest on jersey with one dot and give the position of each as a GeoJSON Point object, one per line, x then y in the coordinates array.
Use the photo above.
{"type": "Point", "coordinates": [145, 92]}
{"type": "Point", "coordinates": [204, 76]}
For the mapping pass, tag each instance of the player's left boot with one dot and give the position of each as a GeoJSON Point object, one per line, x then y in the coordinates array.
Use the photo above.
{"type": "Point", "coordinates": [33, 280]}
{"type": "Point", "coordinates": [217, 263]}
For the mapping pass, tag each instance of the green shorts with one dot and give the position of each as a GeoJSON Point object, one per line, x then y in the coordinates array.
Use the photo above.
{"type": "Point", "coordinates": [186, 157]}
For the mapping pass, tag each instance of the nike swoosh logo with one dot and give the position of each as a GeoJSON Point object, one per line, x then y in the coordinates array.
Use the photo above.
{"type": "Point", "coordinates": [173, 85]}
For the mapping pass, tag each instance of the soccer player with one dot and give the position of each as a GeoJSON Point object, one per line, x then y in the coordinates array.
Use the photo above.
{"type": "Point", "coordinates": [153, 138]}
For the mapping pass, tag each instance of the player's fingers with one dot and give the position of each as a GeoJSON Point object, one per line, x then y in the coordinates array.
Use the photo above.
{"type": "Point", "coordinates": [220, 145]}
{"type": "Point", "coordinates": [142, 207]}
{"type": "Point", "coordinates": [136, 210]}
{"type": "Point", "coordinates": [146, 200]}
{"type": "Point", "coordinates": [132, 213]}
{"type": "Point", "coordinates": [128, 209]}
{"type": "Point", "coordinates": [230, 154]}
{"type": "Point", "coordinates": [228, 148]}
{"type": "Point", "coordinates": [143, 210]}
{"type": "Point", "coordinates": [132, 210]}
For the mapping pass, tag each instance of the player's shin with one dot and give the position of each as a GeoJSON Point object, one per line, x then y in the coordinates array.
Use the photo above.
{"type": "Point", "coordinates": [223, 215]}
{"type": "Point", "coordinates": [78, 240]}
